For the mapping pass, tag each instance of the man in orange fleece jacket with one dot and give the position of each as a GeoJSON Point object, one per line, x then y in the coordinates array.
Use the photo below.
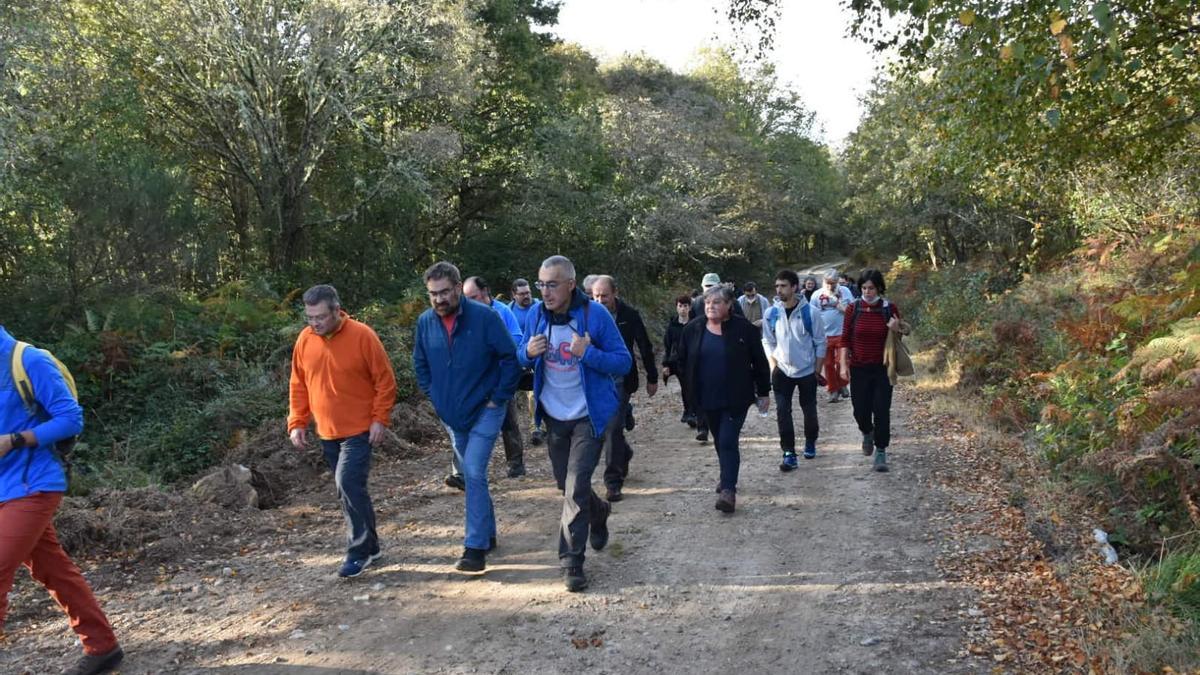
{"type": "Point", "coordinates": [341, 375]}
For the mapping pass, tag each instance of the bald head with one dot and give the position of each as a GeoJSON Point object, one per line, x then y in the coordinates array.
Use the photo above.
{"type": "Point", "coordinates": [477, 289]}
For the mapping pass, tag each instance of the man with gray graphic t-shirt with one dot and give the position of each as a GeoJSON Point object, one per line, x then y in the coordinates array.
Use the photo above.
{"type": "Point", "coordinates": [575, 350]}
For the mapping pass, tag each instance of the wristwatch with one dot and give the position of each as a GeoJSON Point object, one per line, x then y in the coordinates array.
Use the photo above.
{"type": "Point", "coordinates": [17, 440]}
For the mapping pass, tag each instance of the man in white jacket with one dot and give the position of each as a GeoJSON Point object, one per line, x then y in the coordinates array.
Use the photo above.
{"type": "Point", "coordinates": [795, 344]}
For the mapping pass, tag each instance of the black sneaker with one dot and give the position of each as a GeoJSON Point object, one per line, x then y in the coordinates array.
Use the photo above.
{"type": "Point", "coordinates": [455, 481]}
{"type": "Point", "coordinates": [630, 422]}
{"type": "Point", "coordinates": [574, 579]}
{"type": "Point", "coordinates": [516, 470]}
{"type": "Point", "coordinates": [702, 436]}
{"type": "Point", "coordinates": [613, 494]}
{"type": "Point", "coordinates": [690, 420]}
{"type": "Point", "coordinates": [537, 437]}
{"type": "Point", "coordinates": [472, 560]}
{"type": "Point", "coordinates": [726, 502]}
{"type": "Point", "coordinates": [599, 530]}
{"type": "Point", "coordinates": [93, 664]}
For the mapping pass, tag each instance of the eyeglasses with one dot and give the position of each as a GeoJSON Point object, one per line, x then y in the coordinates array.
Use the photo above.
{"type": "Point", "coordinates": [319, 318]}
{"type": "Point", "coordinates": [548, 285]}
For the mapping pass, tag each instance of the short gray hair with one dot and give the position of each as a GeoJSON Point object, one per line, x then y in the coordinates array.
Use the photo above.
{"type": "Point", "coordinates": [561, 262]}
{"type": "Point", "coordinates": [322, 293]}
{"type": "Point", "coordinates": [612, 283]}
{"type": "Point", "coordinates": [720, 290]}
{"type": "Point", "coordinates": [588, 281]}
{"type": "Point", "coordinates": [832, 274]}
{"type": "Point", "coordinates": [443, 270]}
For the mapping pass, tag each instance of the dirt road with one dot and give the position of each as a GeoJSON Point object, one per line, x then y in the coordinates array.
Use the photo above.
{"type": "Point", "coordinates": [826, 569]}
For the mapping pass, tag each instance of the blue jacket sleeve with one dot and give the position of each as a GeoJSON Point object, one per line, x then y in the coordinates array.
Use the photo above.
{"type": "Point", "coordinates": [51, 392]}
{"type": "Point", "coordinates": [529, 331]}
{"type": "Point", "coordinates": [500, 341]}
{"type": "Point", "coordinates": [420, 360]}
{"type": "Point", "coordinates": [607, 352]}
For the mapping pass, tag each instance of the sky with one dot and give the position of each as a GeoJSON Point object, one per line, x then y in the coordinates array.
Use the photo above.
{"type": "Point", "coordinates": [812, 53]}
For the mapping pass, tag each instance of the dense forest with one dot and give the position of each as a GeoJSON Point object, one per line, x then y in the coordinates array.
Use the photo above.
{"type": "Point", "coordinates": [172, 173]}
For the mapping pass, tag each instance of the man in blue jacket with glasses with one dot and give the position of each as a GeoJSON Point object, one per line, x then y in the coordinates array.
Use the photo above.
{"type": "Point", "coordinates": [575, 350]}
{"type": "Point", "coordinates": [465, 361]}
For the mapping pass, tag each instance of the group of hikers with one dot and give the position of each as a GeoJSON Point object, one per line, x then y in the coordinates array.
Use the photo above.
{"type": "Point", "coordinates": [568, 355]}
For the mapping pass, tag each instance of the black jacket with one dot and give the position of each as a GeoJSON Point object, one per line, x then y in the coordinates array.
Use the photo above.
{"type": "Point", "coordinates": [633, 330]}
{"type": "Point", "coordinates": [749, 372]}
{"type": "Point", "coordinates": [671, 343]}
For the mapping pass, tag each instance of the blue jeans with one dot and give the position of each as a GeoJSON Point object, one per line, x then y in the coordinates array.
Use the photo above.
{"type": "Point", "coordinates": [726, 428]}
{"type": "Point", "coordinates": [473, 450]}
{"type": "Point", "coordinates": [350, 461]}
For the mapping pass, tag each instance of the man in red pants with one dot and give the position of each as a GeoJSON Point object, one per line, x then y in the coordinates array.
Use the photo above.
{"type": "Point", "coordinates": [32, 483]}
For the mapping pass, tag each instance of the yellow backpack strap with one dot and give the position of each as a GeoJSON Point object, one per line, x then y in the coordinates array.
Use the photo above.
{"type": "Point", "coordinates": [20, 377]}
{"type": "Point", "coordinates": [68, 378]}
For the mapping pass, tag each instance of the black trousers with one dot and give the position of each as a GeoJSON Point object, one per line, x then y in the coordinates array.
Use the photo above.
{"type": "Point", "coordinates": [617, 452]}
{"type": "Point", "coordinates": [806, 387]}
{"type": "Point", "coordinates": [871, 396]}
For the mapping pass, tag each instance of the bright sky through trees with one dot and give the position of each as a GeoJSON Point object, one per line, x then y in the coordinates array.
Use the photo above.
{"type": "Point", "coordinates": [812, 51]}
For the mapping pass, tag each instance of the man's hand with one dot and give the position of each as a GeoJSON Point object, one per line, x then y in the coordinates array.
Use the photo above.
{"type": "Point", "coordinates": [579, 345]}
{"type": "Point", "coordinates": [536, 346]}
{"type": "Point", "coordinates": [375, 433]}
{"type": "Point", "coordinates": [651, 388]}
{"type": "Point", "coordinates": [299, 438]}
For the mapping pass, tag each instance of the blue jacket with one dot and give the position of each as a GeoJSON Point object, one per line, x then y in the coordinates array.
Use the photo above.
{"type": "Point", "coordinates": [510, 320]}
{"type": "Point", "coordinates": [604, 359]}
{"type": "Point", "coordinates": [26, 471]}
{"type": "Point", "coordinates": [461, 372]}
{"type": "Point", "coordinates": [522, 313]}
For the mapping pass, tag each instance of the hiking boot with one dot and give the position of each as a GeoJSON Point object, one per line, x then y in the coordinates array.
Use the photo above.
{"type": "Point", "coordinates": [455, 481]}
{"type": "Point", "coordinates": [789, 461]}
{"type": "Point", "coordinates": [725, 502]}
{"type": "Point", "coordinates": [574, 579]}
{"type": "Point", "coordinates": [880, 460]}
{"type": "Point", "coordinates": [810, 451]}
{"type": "Point", "coordinates": [537, 437]}
{"type": "Point", "coordinates": [472, 560]}
{"type": "Point", "coordinates": [516, 470]}
{"type": "Point", "coordinates": [613, 494]}
{"type": "Point", "coordinates": [599, 530]}
{"type": "Point", "coordinates": [702, 436]}
{"type": "Point", "coordinates": [93, 664]}
{"type": "Point", "coordinates": [868, 445]}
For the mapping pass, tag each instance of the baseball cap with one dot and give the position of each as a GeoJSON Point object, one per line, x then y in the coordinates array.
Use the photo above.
{"type": "Point", "coordinates": [710, 279]}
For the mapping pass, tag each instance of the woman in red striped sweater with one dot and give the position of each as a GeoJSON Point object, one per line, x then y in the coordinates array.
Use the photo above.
{"type": "Point", "coordinates": [864, 332]}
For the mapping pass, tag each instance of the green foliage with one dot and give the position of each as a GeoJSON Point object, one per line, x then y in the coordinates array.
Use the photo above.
{"type": "Point", "coordinates": [1175, 582]}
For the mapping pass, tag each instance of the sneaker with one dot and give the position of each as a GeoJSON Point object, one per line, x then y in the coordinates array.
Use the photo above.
{"type": "Point", "coordinates": [725, 503]}
{"type": "Point", "coordinates": [613, 494]}
{"type": "Point", "coordinates": [630, 422]}
{"type": "Point", "coordinates": [702, 436]}
{"type": "Point", "coordinates": [845, 392]}
{"type": "Point", "coordinates": [516, 470]}
{"type": "Point", "coordinates": [472, 560]}
{"type": "Point", "coordinates": [353, 567]}
{"type": "Point", "coordinates": [537, 437]}
{"type": "Point", "coordinates": [835, 397]}
{"type": "Point", "coordinates": [868, 445]}
{"type": "Point", "coordinates": [690, 420]}
{"type": "Point", "coordinates": [455, 481]}
{"type": "Point", "coordinates": [599, 530]}
{"type": "Point", "coordinates": [789, 462]}
{"type": "Point", "coordinates": [93, 664]}
{"type": "Point", "coordinates": [810, 451]}
{"type": "Point", "coordinates": [880, 460]}
{"type": "Point", "coordinates": [574, 579]}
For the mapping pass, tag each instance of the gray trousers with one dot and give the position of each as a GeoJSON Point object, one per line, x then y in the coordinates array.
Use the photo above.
{"type": "Point", "coordinates": [574, 452]}
{"type": "Point", "coordinates": [617, 452]}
